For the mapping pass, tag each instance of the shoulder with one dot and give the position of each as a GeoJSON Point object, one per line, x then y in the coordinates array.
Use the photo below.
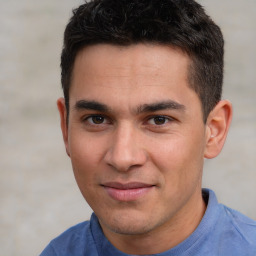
{"type": "Point", "coordinates": [77, 232]}
{"type": "Point", "coordinates": [235, 233]}
{"type": "Point", "coordinates": [228, 232]}
{"type": "Point", "coordinates": [243, 226]}
{"type": "Point", "coordinates": [73, 240]}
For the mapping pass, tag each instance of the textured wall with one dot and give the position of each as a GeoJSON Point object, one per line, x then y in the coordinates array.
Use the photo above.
{"type": "Point", "coordinates": [39, 197]}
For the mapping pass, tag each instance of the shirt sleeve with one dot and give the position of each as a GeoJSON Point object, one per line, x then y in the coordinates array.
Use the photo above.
{"type": "Point", "coordinates": [48, 251]}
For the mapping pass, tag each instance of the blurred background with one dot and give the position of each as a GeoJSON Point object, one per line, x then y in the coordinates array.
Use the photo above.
{"type": "Point", "coordinates": [39, 196]}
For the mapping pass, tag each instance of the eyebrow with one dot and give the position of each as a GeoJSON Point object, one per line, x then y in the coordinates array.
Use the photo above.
{"type": "Point", "coordinates": [157, 106]}
{"type": "Point", "coordinates": [91, 105]}
{"type": "Point", "coordinates": [163, 105]}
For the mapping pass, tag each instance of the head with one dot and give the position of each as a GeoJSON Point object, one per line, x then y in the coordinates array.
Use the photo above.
{"type": "Point", "coordinates": [142, 87]}
{"type": "Point", "coordinates": [181, 24]}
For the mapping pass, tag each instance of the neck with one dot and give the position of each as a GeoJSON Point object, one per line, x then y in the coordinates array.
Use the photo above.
{"type": "Point", "coordinates": [165, 237]}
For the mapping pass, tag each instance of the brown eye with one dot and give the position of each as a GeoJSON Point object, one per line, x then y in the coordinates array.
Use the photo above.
{"type": "Point", "coordinates": [96, 119]}
{"type": "Point", "coordinates": [158, 120]}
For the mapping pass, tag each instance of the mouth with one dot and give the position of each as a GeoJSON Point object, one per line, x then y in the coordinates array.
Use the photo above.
{"type": "Point", "coordinates": [127, 192]}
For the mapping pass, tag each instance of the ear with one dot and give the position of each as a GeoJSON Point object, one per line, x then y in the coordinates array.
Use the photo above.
{"type": "Point", "coordinates": [63, 122]}
{"type": "Point", "coordinates": [217, 127]}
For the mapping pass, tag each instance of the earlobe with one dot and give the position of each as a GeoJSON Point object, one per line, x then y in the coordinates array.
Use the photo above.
{"type": "Point", "coordinates": [218, 124]}
{"type": "Point", "coordinates": [63, 122]}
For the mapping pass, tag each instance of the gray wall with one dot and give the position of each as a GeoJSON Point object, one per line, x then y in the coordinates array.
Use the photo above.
{"type": "Point", "coordinates": [39, 197]}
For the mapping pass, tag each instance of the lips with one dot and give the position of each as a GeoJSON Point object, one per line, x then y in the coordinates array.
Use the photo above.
{"type": "Point", "coordinates": [127, 192]}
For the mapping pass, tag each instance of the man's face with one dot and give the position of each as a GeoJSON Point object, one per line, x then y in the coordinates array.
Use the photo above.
{"type": "Point", "coordinates": [135, 136]}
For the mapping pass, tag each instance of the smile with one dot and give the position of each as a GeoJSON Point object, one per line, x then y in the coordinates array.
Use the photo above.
{"type": "Point", "coordinates": [127, 192]}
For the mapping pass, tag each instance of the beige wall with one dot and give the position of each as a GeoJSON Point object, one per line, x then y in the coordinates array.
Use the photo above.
{"type": "Point", "coordinates": [39, 197]}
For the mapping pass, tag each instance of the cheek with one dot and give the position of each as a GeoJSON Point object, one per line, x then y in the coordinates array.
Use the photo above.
{"type": "Point", "coordinates": [85, 158]}
{"type": "Point", "coordinates": [84, 165]}
{"type": "Point", "coordinates": [179, 160]}
{"type": "Point", "coordinates": [85, 148]}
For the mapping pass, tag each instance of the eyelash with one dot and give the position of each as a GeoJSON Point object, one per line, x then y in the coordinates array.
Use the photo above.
{"type": "Point", "coordinates": [106, 120]}
{"type": "Point", "coordinates": [86, 119]}
{"type": "Point", "coordinates": [166, 119]}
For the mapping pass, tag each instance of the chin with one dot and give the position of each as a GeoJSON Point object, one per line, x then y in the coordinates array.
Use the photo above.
{"type": "Point", "coordinates": [128, 225]}
{"type": "Point", "coordinates": [131, 229]}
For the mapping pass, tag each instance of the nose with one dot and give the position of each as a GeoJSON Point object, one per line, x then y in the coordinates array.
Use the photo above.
{"type": "Point", "coordinates": [125, 151]}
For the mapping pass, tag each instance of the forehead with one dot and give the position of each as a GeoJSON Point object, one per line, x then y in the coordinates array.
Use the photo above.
{"type": "Point", "coordinates": [134, 60]}
{"type": "Point", "coordinates": [141, 73]}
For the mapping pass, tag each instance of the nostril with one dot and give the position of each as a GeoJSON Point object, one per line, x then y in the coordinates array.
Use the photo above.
{"type": "Point", "coordinates": [125, 161]}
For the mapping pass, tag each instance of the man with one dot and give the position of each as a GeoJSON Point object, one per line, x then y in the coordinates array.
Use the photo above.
{"type": "Point", "coordinates": [142, 109]}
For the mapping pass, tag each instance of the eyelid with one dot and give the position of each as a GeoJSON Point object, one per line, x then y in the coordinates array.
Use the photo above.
{"type": "Point", "coordinates": [168, 118]}
{"type": "Point", "coordinates": [107, 120]}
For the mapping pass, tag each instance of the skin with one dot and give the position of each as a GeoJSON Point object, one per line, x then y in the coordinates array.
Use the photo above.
{"type": "Point", "coordinates": [135, 123]}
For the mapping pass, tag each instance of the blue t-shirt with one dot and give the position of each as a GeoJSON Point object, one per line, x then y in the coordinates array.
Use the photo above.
{"type": "Point", "coordinates": [221, 232]}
